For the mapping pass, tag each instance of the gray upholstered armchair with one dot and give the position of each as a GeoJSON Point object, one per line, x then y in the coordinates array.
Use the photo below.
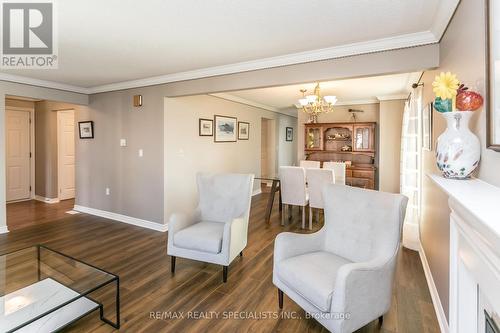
{"type": "Point", "coordinates": [217, 230]}
{"type": "Point", "coordinates": [343, 274]}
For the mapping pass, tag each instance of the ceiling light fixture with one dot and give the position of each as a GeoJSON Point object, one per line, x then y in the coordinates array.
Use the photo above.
{"type": "Point", "coordinates": [315, 104]}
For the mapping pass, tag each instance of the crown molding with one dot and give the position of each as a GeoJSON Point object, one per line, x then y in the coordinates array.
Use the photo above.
{"type": "Point", "coordinates": [392, 97]}
{"type": "Point", "coordinates": [443, 17]}
{"type": "Point", "coordinates": [43, 83]}
{"type": "Point", "coordinates": [378, 45]}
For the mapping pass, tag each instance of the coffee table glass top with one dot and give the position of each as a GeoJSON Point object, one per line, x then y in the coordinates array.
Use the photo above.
{"type": "Point", "coordinates": [42, 289]}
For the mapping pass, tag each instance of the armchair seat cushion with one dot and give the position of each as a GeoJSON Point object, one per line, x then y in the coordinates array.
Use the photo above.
{"type": "Point", "coordinates": [312, 275]}
{"type": "Point", "coordinates": [202, 236]}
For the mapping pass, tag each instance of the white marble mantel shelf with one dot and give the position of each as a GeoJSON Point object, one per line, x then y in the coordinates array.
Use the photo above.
{"type": "Point", "coordinates": [482, 202]}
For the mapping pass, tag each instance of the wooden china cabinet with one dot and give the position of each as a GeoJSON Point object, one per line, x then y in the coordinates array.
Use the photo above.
{"type": "Point", "coordinates": [353, 143]}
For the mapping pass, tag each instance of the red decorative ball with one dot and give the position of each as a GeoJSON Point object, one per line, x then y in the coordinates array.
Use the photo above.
{"type": "Point", "coordinates": [469, 101]}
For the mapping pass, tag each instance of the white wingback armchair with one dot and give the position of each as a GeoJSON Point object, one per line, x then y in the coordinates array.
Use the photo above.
{"type": "Point", "coordinates": [217, 230]}
{"type": "Point", "coordinates": [343, 274]}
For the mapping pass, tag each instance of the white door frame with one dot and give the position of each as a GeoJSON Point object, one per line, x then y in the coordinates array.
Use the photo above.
{"type": "Point", "coordinates": [58, 152]}
{"type": "Point", "coordinates": [32, 147]}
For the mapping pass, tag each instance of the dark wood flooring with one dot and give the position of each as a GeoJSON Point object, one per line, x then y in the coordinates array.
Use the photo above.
{"type": "Point", "coordinates": [33, 212]}
{"type": "Point", "coordinates": [139, 257]}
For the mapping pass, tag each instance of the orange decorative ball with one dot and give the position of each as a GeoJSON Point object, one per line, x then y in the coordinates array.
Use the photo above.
{"type": "Point", "coordinates": [469, 101]}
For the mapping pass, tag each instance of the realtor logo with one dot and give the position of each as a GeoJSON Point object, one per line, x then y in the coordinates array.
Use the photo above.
{"type": "Point", "coordinates": [28, 35]}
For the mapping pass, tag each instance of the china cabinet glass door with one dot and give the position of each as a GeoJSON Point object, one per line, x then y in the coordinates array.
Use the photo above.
{"type": "Point", "coordinates": [313, 138]}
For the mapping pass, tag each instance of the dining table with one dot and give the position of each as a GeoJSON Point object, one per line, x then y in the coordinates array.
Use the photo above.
{"type": "Point", "coordinates": [275, 187]}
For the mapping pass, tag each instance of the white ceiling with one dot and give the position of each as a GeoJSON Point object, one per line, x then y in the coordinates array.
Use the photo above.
{"type": "Point", "coordinates": [348, 92]}
{"type": "Point", "coordinates": [106, 42]}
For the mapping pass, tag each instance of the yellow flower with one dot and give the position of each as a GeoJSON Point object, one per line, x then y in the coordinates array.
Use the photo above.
{"type": "Point", "coordinates": [445, 85]}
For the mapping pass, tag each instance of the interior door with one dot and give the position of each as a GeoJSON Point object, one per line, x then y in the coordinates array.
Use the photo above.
{"type": "Point", "coordinates": [18, 155]}
{"type": "Point", "coordinates": [66, 153]}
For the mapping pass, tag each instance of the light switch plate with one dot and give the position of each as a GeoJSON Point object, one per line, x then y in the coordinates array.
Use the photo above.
{"type": "Point", "coordinates": [141, 153]}
{"type": "Point", "coordinates": [123, 143]}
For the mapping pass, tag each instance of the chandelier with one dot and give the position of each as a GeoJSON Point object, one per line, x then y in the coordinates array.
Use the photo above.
{"type": "Point", "coordinates": [315, 104]}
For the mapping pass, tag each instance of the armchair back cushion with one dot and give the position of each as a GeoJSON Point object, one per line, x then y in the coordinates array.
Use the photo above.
{"type": "Point", "coordinates": [224, 197]}
{"type": "Point", "coordinates": [360, 224]}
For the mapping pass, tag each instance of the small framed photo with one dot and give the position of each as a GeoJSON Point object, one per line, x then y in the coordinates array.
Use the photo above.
{"type": "Point", "coordinates": [243, 130]}
{"type": "Point", "coordinates": [427, 127]}
{"type": "Point", "coordinates": [289, 134]}
{"type": "Point", "coordinates": [206, 127]}
{"type": "Point", "coordinates": [225, 129]}
{"type": "Point", "coordinates": [86, 129]}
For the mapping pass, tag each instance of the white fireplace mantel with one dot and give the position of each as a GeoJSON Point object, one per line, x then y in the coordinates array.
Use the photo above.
{"type": "Point", "coordinates": [474, 252]}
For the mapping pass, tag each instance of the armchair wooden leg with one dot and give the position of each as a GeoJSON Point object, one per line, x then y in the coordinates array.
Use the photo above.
{"type": "Point", "coordinates": [224, 274]}
{"type": "Point", "coordinates": [303, 217]}
{"type": "Point", "coordinates": [280, 299]}
{"type": "Point", "coordinates": [310, 218]}
{"type": "Point", "coordinates": [172, 264]}
{"type": "Point", "coordinates": [380, 320]}
{"type": "Point", "coordinates": [241, 254]}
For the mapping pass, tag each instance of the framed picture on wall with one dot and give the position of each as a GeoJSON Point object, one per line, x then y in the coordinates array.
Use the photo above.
{"type": "Point", "coordinates": [427, 127]}
{"type": "Point", "coordinates": [492, 104]}
{"type": "Point", "coordinates": [243, 130]}
{"type": "Point", "coordinates": [86, 129]}
{"type": "Point", "coordinates": [225, 129]}
{"type": "Point", "coordinates": [206, 127]}
{"type": "Point", "coordinates": [289, 134]}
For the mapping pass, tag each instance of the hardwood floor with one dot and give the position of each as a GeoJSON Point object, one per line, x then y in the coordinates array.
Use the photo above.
{"type": "Point", "coordinates": [32, 212]}
{"type": "Point", "coordinates": [149, 292]}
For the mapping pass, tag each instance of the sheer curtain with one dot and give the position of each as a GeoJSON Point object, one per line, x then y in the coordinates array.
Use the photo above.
{"type": "Point", "coordinates": [410, 166]}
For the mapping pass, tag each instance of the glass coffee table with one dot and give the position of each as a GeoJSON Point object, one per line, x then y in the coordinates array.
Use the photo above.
{"type": "Point", "coordinates": [43, 290]}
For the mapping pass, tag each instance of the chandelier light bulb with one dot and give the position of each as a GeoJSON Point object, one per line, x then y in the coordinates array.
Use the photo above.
{"type": "Point", "coordinates": [303, 101]}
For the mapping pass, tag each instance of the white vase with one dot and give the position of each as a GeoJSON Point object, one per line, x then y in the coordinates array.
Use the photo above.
{"type": "Point", "coordinates": [458, 149]}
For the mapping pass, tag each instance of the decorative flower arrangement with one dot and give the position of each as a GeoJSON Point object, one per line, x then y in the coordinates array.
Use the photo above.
{"type": "Point", "coordinates": [453, 96]}
{"type": "Point", "coordinates": [458, 150]}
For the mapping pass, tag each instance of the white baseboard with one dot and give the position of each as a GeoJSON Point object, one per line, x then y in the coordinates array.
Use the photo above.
{"type": "Point", "coordinates": [256, 191]}
{"type": "Point", "coordinates": [122, 218]}
{"type": "Point", "coordinates": [3, 229]}
{"type": "Point", "coordinates": [436, 301]}
{"type": "Point", "coordinates": [46, 200]}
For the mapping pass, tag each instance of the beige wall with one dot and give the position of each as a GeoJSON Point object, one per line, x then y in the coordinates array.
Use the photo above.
{"type": "Point", "coordinates": [19, 103]}
{"type": "Point", "coordinates": [462, 52]}
{"type": "Point", "coordinates": [390, 125]}
{"type": "Point", "coordinates": [135, 183]}
{"type": "Point", "coordinates": [186, 153]}
{"type": "Point", "coordinates": [287, 154]}
{"type": "Point", "coordinates": [46, 176]}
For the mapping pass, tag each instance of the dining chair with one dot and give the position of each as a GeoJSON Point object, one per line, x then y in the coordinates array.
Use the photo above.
{"type": "Point", "coordinates": [306, 164]}
{"type": "Point", "coordinates": [310, 164]}
{"type": "Point", "coordinates": [338, 169]}
{"type": "Point", "coordinates": [316, 182]}
{"type": "Point", "coordinates": [293, 190]}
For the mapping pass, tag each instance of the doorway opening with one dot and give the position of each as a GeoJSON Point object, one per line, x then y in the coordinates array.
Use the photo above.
{"type": "Point", "coordinates": [40, 160]}
{"type": "Point", "coordinates": [268, 150]}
